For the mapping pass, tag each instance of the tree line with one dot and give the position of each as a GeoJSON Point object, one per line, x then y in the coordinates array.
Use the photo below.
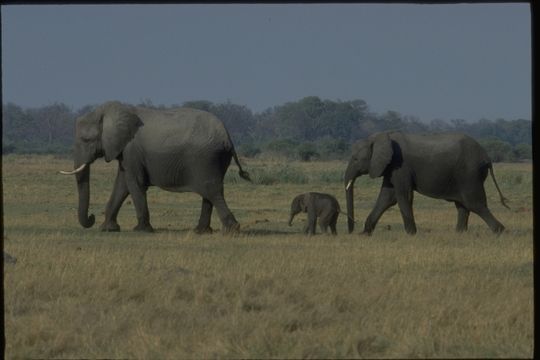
{"type": "Point", "coordinates": [308, 129]}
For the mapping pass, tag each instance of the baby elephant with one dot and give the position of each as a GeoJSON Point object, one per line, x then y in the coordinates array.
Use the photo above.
{"type": "Point", "coordinates": [317, 205]}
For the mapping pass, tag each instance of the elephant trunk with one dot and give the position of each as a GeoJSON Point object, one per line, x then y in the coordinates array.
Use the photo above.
{"type": "Point", "coordinates": [350, 176]}
{"type": "Point", "coordinates": [350, 208]}
{"type": "Point", "coordinates": [83, 187]}
{"type": "Point", "coordinates": [291, 219]}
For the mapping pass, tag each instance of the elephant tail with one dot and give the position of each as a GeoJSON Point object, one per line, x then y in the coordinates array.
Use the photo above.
{"type": "Point", "coordinates": [243, 174]}
{"type": "Point", "coordinates": [503, 199]}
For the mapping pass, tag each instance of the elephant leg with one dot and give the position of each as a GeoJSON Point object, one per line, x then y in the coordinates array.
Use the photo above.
{"type": "Point", "coordinates": [225, 215]}
{"type": "Point", "coordinates": [324, 227]}
{"type": "Point", "coordinates": [138, 195]}
{"type": "Point", "coordinates": [312, 225]}
{"type": "Point", "coordinates": [119, 194]}
{"type": "Point", "coordinates": [489, 219]}
{"type": "Point", "coordinates": [476, 202]}
{"type": "Point", "coordinates": [333, 223]}
{"type": "Point", "coordinates": [405, 200]}
{"type": "Point", "coordinates": [463, 217]}
{"type": "Point", "coordinates": [386, 199]}
{"type": "Point", "coordinates": [206, 215]}
{"type": "Point", "coordinates": [328, 219]}
{"type": "Point", "coordinates": [312, 219]}
{"type": "Point", "coordinates": [325, 220]}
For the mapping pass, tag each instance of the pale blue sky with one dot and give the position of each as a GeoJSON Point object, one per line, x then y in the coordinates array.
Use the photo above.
{"type": "Point", "coordinates": [466, 61]}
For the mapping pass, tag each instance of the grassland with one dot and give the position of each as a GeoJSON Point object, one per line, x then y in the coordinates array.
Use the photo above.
{"type": "Point", "coordinates": [269, 292]}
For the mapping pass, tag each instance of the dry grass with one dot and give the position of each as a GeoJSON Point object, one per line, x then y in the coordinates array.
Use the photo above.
{"type": "Point", "coordinates": [269, 292]}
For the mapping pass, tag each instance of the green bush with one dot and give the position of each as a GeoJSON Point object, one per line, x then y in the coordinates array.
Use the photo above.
{"type": "Point", "coordinates": [307, 151]}
{"type": "Point", "coordinates": [331, 148]}
{"type": "Point", "coordinates": [286, 147]}
{"type": "Point", "coordinates": [523, 151]}
{"type": "Point", "coordinates": [248, 150]}
{"type": "Point", "coordinates": [498, 150]}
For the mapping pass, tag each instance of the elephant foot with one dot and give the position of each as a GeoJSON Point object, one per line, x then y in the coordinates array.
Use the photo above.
{"type": "Point", "coordinates": [145, 227]}
{"type": "Point", "coordinates": [110, 226]}
{"type": "Point", "coordinates": [203, 230]}
{"type": "Point", "coordinates": [498, 229]}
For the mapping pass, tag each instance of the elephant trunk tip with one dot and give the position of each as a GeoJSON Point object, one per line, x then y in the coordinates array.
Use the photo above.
{"type": "Point", "coordinates": [87, 222]}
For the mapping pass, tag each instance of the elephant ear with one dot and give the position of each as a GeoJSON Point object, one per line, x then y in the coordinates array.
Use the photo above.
{"type": "Point", "coordinates": [381, 155]}
{"type": "Point", "coordinates": [119, 127]}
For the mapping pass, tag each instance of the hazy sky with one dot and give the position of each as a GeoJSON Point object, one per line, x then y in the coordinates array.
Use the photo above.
{"type": "Point", "coordinates": [430, 61]}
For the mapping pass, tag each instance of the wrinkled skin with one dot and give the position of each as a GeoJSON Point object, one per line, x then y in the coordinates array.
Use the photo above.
{"type": "Point", "coordinates": [447, 166]}
{"type": "Point", "coordinates": [177, 150]}
{"type": "Point", "coordinates": [316, 205]}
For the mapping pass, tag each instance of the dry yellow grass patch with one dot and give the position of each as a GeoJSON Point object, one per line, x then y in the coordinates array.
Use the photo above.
{"type": "Point", "coordinates": [268, 292]}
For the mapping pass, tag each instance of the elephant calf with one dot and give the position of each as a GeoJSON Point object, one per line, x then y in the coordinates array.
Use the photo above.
{"type": "Point", "coordinates": [317, 205]}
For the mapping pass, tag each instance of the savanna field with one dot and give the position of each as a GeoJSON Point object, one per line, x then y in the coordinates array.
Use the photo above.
{"type": "Point", "coordinates": [269, 292]}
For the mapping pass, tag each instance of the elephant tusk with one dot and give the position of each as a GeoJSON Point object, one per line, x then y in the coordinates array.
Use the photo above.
{"type": "Point", "coordinates": [79, 169]}
{"type": "Point", "coordinates": [348, 185]}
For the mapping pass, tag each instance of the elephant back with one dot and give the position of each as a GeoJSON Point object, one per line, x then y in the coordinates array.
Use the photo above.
{"type": "Point", "coordinates": [189, 128]}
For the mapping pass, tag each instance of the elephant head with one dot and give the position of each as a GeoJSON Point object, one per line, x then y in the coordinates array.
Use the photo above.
{"type": "Point", "coordinates": [299, 204]}
{"type": "Point", "coordinates": [370, 156]}
{"type": "Point", "coordinates": [103, 132]}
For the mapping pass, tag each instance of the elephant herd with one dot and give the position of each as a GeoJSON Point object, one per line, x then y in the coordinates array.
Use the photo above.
{"type": "Point", "coordinates": [185, 149]}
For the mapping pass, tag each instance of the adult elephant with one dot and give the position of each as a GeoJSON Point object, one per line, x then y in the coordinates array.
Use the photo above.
{"type": "Point", "coordinates": [177, 150]}
{"type": "Point", "coordinates": [449, 166]}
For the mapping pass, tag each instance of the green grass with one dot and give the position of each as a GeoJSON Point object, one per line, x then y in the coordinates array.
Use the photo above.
{"type": "Point", "coordinates": [269, 292]}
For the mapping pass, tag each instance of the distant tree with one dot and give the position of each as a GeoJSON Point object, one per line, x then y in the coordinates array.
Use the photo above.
{"type": "Point", "coordinates": [523, 151]}
{"type": "Point", "coordinates": [439, 125]}
{"type": "Point", "coordinates": [264, 127]}
{"type": "Point", "coordinates": [497, 150]}
{"type": "Point", "coordinates": [307, 151]}
{"type": "Point", "coordinates": [391, 120]}
{"type": "Point", "coordinates": [16, 123]}
{"type": "Point", "coordinates": [332, 148]}
{"type": "Point", "coordinates": [328, 126]}
{"type": "Point", "coordinates": [147, 103]}
{"type": "Point", "coordinates": [54, 123]}
{"type": "Point", "coordinates": [248, 150]}
{"type": "Point", "coordinates": [85, 110]}
{"type": "Point", "coordinates": [414, 125]}
{"type": "Point", "coordinates": [285, 147]}
{"type": "Point", "coordinates": [199, 104]}
{"type": "Point", "coordinates": [238, 120]}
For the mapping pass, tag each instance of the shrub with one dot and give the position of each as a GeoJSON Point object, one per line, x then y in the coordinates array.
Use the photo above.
{"type": "Point", "coordinates": [498, 150]}
{"type": "Point", "coordinates": [331, 148]}
{"type": "Point", "coordinates": [248, 150]}
{"type": "Point", "coordinates": [307, 151]}
{"type": "Point", "coordinates": [285, 147]}
{"type": "Point", "coordinates": [523, 151]}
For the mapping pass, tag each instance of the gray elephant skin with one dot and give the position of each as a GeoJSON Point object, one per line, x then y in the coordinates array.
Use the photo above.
{"type": "Point", "coordinates": [177, 150]}
{"type": "Point", "coordinates": [449, 166]}
{"type": "Point", "coordinates": [316, 205]}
